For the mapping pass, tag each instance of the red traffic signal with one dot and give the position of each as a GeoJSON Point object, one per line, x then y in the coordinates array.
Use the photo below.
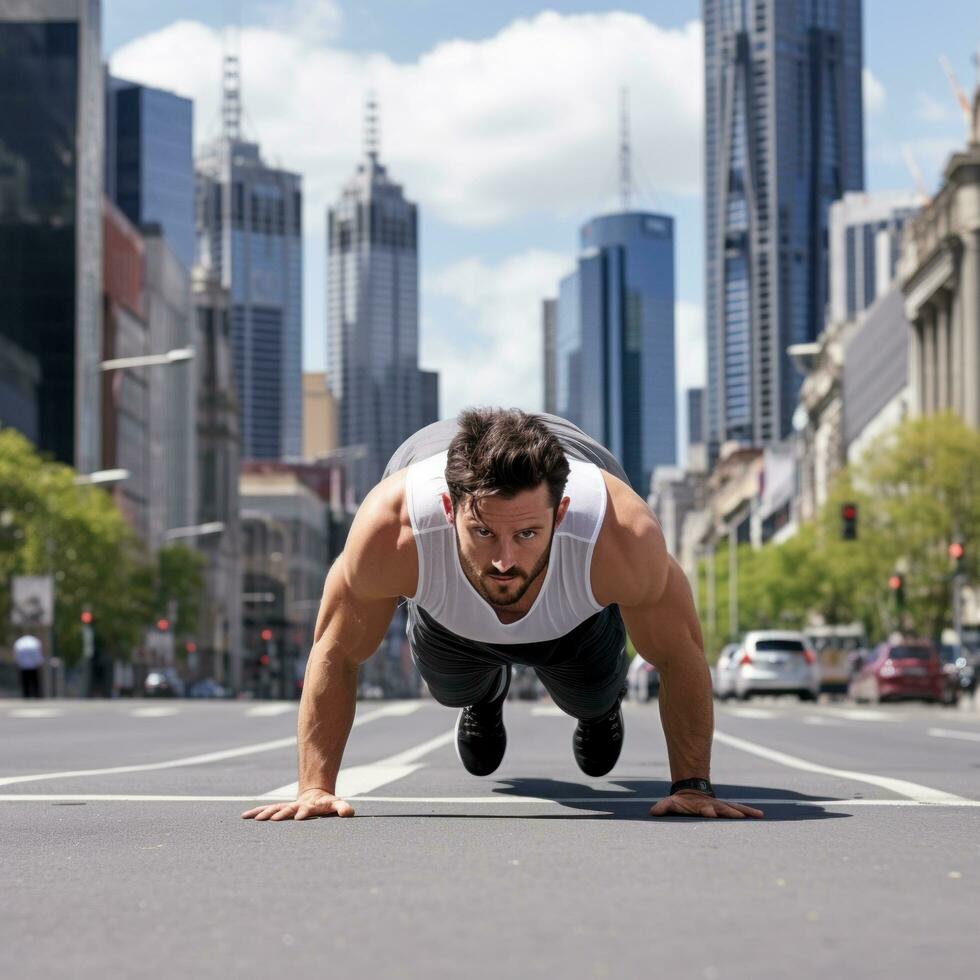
{"type": "Point", "coordinates": [190, 646]}
{"type": "Point", "coordinates": [848, 521]}
{"type": "Point", "coordinates": [87, 617]}
{"type": "Point", "coordinates": [956, 550]}
{"type": "Point", "coordinates": [895, 582]}
{"type": "Point", "coordinates": [266, 635]}
{"type": "Point", "coordinates": [849, 512]}
{"type": "Point", "coordinates": [264, 660]}
{"type": "Point", "coordinates": [163, 625]}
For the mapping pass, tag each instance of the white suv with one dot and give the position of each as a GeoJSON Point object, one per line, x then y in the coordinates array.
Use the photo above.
{"type": "Point", "coordinates": [775, 662]}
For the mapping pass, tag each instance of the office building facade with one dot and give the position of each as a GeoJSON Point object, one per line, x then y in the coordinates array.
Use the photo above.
{"type": "Point", "coordinates": [373, 319]}
{"type": "Point", "coordinates": [249, 225]}
{"type": "Point", "coordinates": [549, 332]}
{"type": "Point", "coordinates": [865, 245]}
{"type": "Point", "coordinates": [51, 170]}
{"type": "Point", "coordinates": [150, 161]}
{"type": "Point", "coordinates": [783, 140]}
{"type": "Point", "coordinates": [614, 341]}
{"type": "Point", "coordinates": [695, 416]}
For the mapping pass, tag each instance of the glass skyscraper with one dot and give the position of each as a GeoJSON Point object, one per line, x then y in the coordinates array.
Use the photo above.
{"type": "Point", "coordinates": [150, 161]}
{"type": "Point", "coordinates": [783, 140]}
{"type": "Point", "coordinates": [373, 320]}
{"type": "Point", "coordinates": [614, 341]}
{"type": "Point", "coordinates": [51, 134]}
{"type": "Point", "coordinates": [250, 233]}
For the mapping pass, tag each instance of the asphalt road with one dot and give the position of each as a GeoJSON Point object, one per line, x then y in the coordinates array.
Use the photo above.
{"type": "Point", "coordinates": [866, 865]}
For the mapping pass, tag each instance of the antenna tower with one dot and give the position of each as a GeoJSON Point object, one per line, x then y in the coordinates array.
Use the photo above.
{"type": "Point", "coordinates": [231, 89]}
{"type": "Point", "coordinates": [625, 152]}
{"type": "Point", "coordinates": [372, 127]}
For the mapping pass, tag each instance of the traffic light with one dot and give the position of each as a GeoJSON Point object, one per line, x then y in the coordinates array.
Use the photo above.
{"type": "Point", "coordinates": [958, 553]}
{"type": "Point", "coordinates": [848, 522]}
{"type": "Point", "coordinates": [163, 624]}
{"type": "Point", "coordinates": [897, 585]}
{"type": "Point", "coordinates": [87, 618]}
{"type": "Point", "coordinates": [267, 635]}
{"type": "Point", "coordinates": [190, 646]}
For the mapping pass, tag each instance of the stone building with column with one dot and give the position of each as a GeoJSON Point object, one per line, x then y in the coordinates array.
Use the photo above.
{"type": "Point", "coordinates": [940, 278]}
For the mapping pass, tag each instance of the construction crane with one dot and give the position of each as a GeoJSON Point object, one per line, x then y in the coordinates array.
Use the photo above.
{"type": "Point", "coordinates": [958, 93]}
{"type": "Point", "coordinates": [920, 184]}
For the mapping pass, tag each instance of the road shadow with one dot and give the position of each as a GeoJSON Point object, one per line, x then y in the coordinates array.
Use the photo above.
{"type": "Point", "coordinates": [640, 794]}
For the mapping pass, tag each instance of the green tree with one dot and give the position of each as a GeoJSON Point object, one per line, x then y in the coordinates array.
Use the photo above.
{"type": "Point", "coordinates": [50, 525]}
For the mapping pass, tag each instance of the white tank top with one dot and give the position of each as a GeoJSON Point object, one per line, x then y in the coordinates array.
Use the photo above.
{"type": "Point", "coordinates": [445, 593]}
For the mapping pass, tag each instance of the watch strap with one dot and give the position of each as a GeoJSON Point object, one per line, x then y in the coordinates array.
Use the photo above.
{"type": "Point", "coordinates": [697, 784]}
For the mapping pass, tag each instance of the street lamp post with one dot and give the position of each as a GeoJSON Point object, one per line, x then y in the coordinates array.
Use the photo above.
{"type": "Point", "coordinates": [148, 360]}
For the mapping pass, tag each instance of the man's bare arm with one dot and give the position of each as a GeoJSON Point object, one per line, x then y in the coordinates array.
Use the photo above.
{"type": "Point", "coordinates": [662, 621]}
{"type": "Point", "coordinates": [359, 599]}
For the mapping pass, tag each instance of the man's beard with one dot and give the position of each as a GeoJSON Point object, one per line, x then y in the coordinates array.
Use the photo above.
{"type": "Point", "coordinates": [476, 576]}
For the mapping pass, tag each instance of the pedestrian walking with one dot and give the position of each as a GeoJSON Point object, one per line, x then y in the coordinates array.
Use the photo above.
{"type": "Point", "coordinates": [29, 656]}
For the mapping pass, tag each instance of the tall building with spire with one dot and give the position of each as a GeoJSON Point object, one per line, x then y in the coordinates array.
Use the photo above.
{"type": "Point", "coordinates": [783, 140]}
{"type": "Point", "coordinates": [609, 337]}
{"type": "Point", "coordinates": [373, 316]}
{"type": "Point", "coordinates": [249, 233]}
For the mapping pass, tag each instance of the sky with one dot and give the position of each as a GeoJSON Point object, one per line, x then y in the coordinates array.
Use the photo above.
{"type": "Point", "coordinates": [500, 120]}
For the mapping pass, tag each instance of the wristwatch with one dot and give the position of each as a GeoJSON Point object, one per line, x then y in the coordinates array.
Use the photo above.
{"type": "Point", "coordinates": [701, 785]}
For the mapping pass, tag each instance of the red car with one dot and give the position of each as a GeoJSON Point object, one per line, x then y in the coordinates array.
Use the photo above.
{"type": "Point", "coordinates": [910, 669]}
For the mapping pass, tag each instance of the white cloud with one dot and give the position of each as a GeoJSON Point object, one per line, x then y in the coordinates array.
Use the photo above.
{"type": "Point", "coordinates": [478, 131]}
{"type": "Point", "coordinates": [490, 351]}
{"type": "Point", "coordinates": [873, 92]}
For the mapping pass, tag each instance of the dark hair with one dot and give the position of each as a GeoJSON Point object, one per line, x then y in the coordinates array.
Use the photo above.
{"type": "Point", "coordinates": [500, 452]}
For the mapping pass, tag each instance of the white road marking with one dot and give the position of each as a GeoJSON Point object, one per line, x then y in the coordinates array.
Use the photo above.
{"type": "Point", "coordinates": [36, 712]}
{"type": "Point", "coordinates": [947, 733]}
{"type": "Point", "coordinates": [269, 710]}
{"type": "Point", "coordinates": [817, 720]}
{"type": "Point", "coordinates": [154, 712]}
{"type": "Point", "coordinates": [749, 712]}
{"type": "Point", "coordinates": [914, 791]}
{"type": "Point", "coordinates": [548, 711]}
{"type": "Point", "coordinates": [864, 714]}
{"type": "Point", "coordinates": [357, 780]}
{"type": "Point", "coordinates": [400, 708]}
{"type": "Point", "coordinates": [479, 800]}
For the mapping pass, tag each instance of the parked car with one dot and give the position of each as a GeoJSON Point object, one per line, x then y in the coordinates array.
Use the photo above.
{"type": "Point", "coordinates": [643, 680]}
{"type": "Point", "coordinates": [959, 668]}
{"type": "Point", "coordinates": [775, 662]}
{"type": "Point", "coordinates": [525, 684]}
{"type": "Point", "coordinates": [164, 682]}
{"type": "Point", "coordinates": [909, 669]}
{"type": "Point", "coordinates": [723, 675]}
{"type": "Point", "coordinates": [207, 688]}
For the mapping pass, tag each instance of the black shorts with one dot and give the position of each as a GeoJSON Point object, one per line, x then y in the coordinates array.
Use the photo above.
{"type": "Point", "coordinates": [584, 671]}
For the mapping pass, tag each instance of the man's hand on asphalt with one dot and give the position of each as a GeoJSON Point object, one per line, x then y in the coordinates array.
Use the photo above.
{"type": "Point", "coordinates": [690, 803]}
{"type": "Point", "coordinates": [313, 802]}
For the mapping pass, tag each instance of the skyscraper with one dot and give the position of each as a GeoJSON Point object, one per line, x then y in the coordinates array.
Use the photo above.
{"type": "Point", "coordinates": [783, 139]}
{"type": "Point", "coordinates": [51, 134]}
{"type": "Point", "coordinates": [150, 161]}
{"type": "Point", "coordinates": [865, 243]}
{"type": "Point", "coordinates": [373, 316]}
{"type": "Point", "coordinates": [549, 330]}
{"type": "Point", "coordinates": [249, 228]}
{"type": "Point", "coordinates": [695, 416]}
{"type": "Point", "coordinates": [614, 341]}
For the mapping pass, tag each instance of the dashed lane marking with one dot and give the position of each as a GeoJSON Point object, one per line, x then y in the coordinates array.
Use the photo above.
{"type": "Point", "coordinates": [36, 713]}
{"type": "Point", "coordinates": [948, 733]}
{"type": "Point", "coordinates": [269, 710]}
{"type": "Point", "coordinates": [914, 791]}
{"type": "Point", "coordinates": [154, 712]}
{"type": "Point", "coordinates": [864, 714]}
{"type": "Point", "coordinates": [402, 708]}
{"type": "Point", "coordinates": [818, 720]}
{"type": "Point", "coordinates": [749, 712]}
{"type": "Point", "coordinates": [548, 711]}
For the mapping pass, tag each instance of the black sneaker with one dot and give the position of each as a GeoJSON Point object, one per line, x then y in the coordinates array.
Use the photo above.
{"type": "Point", "coordinates": [481, 738]}
{"type": "Point", "coordinates": [598, 742]}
